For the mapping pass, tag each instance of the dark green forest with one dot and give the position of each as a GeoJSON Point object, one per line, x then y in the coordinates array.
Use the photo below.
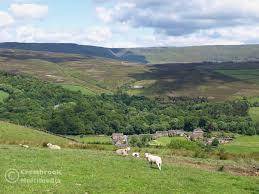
{"type": "Point", "coordinates": [43, 105]}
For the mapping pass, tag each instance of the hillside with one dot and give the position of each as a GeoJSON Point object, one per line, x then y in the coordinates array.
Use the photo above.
{"type": "Point", "coordinates": [16, 134]}
{"type": "Point", "coordinates": [95, 75]}
{"type": "Point", "coordinates": [147, 55]}
{"type": "Point", "coordinates": [40, 104]}
{"type": "Point", "coordinates": [94, 171]}
{"type": "Point", "coordinates": [194, 53]}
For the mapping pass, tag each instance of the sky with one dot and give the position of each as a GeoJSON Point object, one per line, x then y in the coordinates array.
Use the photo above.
{"type": "Point", "coordinates": [131, 23]}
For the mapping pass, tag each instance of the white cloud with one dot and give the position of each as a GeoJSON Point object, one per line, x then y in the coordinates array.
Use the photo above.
{"type": "Point", "coordinates": [29, 11]}
{"type": "Point", "coordinates": [98, 34]}
{"type": "Point", "coordinates": [5, 19]}
{"type": "Point", "coordinates": [5, 35]}
{"type": "Point", "coordinates": [181, 17]}
{"type": "Point", "coordinates": [103, 13]}
{"type": "Point", "coordinates": [138, 23]}
{"type": "Point", "coordinates": [94, 35]}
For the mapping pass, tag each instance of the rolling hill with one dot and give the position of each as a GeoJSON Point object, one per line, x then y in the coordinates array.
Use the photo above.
{"type": "Point", "coordinates": [147, 55]}
{"type": "Point", "coordinates": [16, 134]}
{"type": "Point", "coordinates": [194, 54]}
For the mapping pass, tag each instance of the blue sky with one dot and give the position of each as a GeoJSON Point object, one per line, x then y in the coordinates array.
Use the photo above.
{"type": "Point", "coordinates": [131, 23]}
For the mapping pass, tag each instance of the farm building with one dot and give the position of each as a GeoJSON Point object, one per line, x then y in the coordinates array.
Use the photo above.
{"type": "Point", "coordinates": [225, 140]}
{"type": "Point", "coordinates": [160, 134]}
{"type": "Point", "coordinates": [119, 139]}
{"type": "Point", "coordinates": [172, 133]}
{"type": "Point", "coordinates": [197, 134]}
{"type": "Point", "coordinates": [137, 87]}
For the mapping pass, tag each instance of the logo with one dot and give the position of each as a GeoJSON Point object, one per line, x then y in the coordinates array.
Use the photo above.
{"type": "Point", "coordinates": [12, 176]}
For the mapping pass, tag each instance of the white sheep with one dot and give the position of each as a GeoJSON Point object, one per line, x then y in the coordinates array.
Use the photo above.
{"type": "Point", "coordinates": [136, 154]}
{"type": "Point", "coordinates": [24, 146]}
{"type": "Point", "coordinates": [154, 159]}
{"type": "Point", "coordinates": [53, 147]}
{"type": "Point", "coordinates": [123, 152]}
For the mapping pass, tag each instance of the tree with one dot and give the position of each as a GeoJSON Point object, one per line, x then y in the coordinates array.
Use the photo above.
{"type": "Point", "coordinates": [215, 142]}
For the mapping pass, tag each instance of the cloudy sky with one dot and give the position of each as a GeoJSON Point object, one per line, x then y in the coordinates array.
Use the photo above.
{"type": "Point", "coordinates": [131, 23]}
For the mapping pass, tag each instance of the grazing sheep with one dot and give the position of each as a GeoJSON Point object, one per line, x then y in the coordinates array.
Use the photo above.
{"type": "Point", "coordinates": [123, 152]}
{"type": "Point", "coordinates": [53, 147]}
{"type": "Point", "coordinates": [24, 146]}
{"type": "Point", "coordinates": [154, 159]}
{"type": "Point", "coordinates": [136, 154]}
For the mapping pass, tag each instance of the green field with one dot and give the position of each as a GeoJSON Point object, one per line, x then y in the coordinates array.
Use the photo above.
{"type": "Point", "coordinates": [84, 171]}
{"type": "Point", "coordinates": [75, 88]}
{"type": "Point", "coordinates": [254, 113]}
{"type": "Point", "coordinates": [93, 170]}
{"type": "Point", "coordinates": [194, 53]}
{"type": "Point", "coordinates": [164, 141]}
{"type": "Point", "coordinates": [94, 139]}
{"type": "Point", "coordinates": [249, 75]}
{"type": "Point", "coordinates": [243, 145]}
{"type": "Point", "coordinates": [15, 134]}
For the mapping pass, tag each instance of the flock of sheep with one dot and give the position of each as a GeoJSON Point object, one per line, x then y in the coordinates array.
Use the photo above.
{"type": "Point", "coordinates": [152, 159]}
{"type": "Point", "coordinates": [124, 152]}
{"type": "Point", "coordinates": [49, 145]}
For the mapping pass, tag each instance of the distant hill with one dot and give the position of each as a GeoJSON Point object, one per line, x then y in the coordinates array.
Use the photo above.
{"type": "Point", "coordinates": [195, 54]}
{"type": "Point", "coordinates": [148, 55]}
{"type": "Point", "coordinates": [84, 50]}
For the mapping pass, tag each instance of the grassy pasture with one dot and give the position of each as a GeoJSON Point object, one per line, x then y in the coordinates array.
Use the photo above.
{"type": "Point", "coordinates": [76, 88]}
{"type": "Point", "coordinates": [164, 141]}
{"type": "Point", "coordinates": [103, 172]}
{"type": "Point", "coordinates": [254, 113]}
{"type": "Point", "coordinates": [243, 145]}
{"type": "Point", "coordinates": [250, 75]}
{"type": "Point", "coordinates": [15, 134]}
{"type": "Point", "coordinates": [93, 139]}
{"type": "Point", "coordinates": [95, 171]}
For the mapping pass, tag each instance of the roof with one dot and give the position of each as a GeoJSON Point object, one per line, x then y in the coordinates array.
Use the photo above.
{"type": "Point", "coordinates": [198, 130]}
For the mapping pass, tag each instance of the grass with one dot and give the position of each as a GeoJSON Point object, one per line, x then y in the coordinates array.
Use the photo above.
{"type": "Point", "coordinates": [250, 75]}
{"type": "Point", "coordinates": [164, 141]}
{"type": "Point", "coordinates": [253, 99]}
{"type": "Point", "coordinates": [254, 113]}
{"type": "Point", "coordinates": [15, 134]}
{"type": "Point", "coordinates": [196, 53]}
{"type": "Point", "coordinates": [243, 145]}
{"type": "Point", "coordinates": [88, 171]}
{"type": "Point", "coordinates": [94, 170]}
{"type": "Point", "coordinates": [75, 88]}
{"type": "Point", "coordinates": [93, 139]}
{"type": "Point", "coordinates": [3, 96]}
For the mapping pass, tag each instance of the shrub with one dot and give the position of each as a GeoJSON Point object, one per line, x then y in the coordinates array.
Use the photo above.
{"type": "Point", "coordinates": [140, 140]}
{"type": "Point", "coordinates": [222, 154]}
{"type": "Point", "coordinates": [200, 154]}
{"type": "Point", "coordinates": [44, 144]}
{"type": "Point", "coordinates": [221, 168]}
{"type": "Point", "coordinates": [183, 144]}
{"type": "Point", "coordinates": [215, 142]}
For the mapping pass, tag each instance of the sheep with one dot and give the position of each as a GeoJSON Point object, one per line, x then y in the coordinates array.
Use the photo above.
{"type": "Point", "coordinates": [24, 146]}
{"type": "Point", "coordinates": [123, 152]}
{"type": "Point", "coordinates": [154, 159]}
{"type": "Point", "coordinates": [53, 147]}
{"type": "Point", "coordinates": [136, 154]}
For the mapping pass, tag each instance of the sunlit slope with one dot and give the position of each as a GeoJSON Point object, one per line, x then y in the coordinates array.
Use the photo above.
{"type": "Point", "coordinates": [15, 134]}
